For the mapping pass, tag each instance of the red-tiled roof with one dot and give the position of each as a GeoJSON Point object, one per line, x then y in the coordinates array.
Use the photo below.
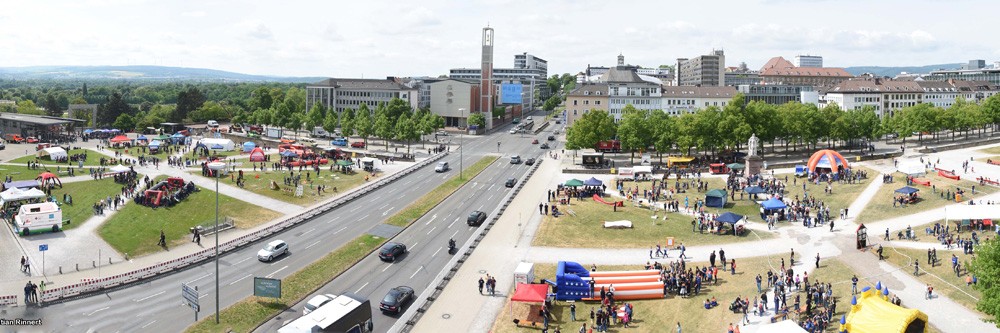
{"type": "Point", "coordinates": [778, 66]}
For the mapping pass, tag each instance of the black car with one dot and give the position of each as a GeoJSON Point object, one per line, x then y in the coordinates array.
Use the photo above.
{"type": "Point", "coordinates": [390, 251]}
{"type": "Point", "coordinates": [510, 182]}
{"type": "Point", "coordinates": [551, 138]}
{"type": "Point", "coordinates": [544, 146]}
{"type": "Point", "coordinates": [476, 218]}
{"type": "Point", "coordinates": [530, 161]}
{"type": "Point", "coordinates": [395, 299]}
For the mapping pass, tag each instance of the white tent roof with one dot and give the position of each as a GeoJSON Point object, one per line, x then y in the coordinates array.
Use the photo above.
{"type": "Point", "coordinates": [643, 169]}
{"type": "Point", "coordinates": [784, 326]}
{"type": "Point", "coordinates": [54, 152]}
{"type": "Point", "coordinates": [119, 169]}
{"type": "Point", "coordinates": [212, 141]}
{"type": "Point", "coordinates": [911, 167]}
{"type": "Point", "coordinates": [971, 212]}
{"type": "Point", "coordinates": [15, 194]}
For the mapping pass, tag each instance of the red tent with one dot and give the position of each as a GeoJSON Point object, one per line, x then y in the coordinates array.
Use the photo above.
{"type": "Point", "coordinates": [530, 293]}
{"type": "Point", "coordinates": [48, 178]}
{"type": "Point", "coordinates": [257, 155]}
{"type": "Point", "coordinates": [120, 138]}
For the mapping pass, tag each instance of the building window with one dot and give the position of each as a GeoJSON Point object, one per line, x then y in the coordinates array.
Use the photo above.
{"type": "Point", "coordinates": [597, 102]}
{"type": "Point", "coordinates": [574, 102]}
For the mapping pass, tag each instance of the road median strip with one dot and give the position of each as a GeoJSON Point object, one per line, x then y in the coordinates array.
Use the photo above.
{"type": "Point", "coordinates": [427, 202]}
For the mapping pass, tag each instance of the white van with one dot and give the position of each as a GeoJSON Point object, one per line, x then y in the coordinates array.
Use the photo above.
{"type": "Point", "coordinates": [38, 217]}
{"type": "Point", "coordinates": [307, 141]}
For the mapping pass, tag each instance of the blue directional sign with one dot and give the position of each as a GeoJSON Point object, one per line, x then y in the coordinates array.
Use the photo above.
{"type": "Point", "coordinates": [43, 247]}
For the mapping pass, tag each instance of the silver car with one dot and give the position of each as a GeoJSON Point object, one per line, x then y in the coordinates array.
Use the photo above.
{"type": "Point", "coordinates": [272, 250]}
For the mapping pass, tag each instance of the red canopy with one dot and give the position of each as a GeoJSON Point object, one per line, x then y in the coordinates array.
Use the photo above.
{"type": "Point", "coordinates": [257, 155]}
{"type": "Point", "coordinates": [120, 138]}
{"type": "Point", "coordinates": [46, 175]}
{"type": "Point", "coordinates": [530, 293]}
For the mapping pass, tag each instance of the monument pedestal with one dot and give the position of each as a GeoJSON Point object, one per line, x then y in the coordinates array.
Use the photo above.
{"type": "Point", "coordinates": [754, 165]}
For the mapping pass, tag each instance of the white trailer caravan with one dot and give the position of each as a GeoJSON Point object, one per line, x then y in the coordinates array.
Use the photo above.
{"type": "Point", "coordinates": [38, 217]}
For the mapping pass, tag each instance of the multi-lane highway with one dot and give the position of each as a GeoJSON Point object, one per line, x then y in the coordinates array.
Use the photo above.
{"type": "Point", "coordinates": [156, 305]}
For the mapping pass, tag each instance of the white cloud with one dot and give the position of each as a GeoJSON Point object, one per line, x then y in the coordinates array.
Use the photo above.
{"type": "Point", "coordinates": [260, 31]}
{"type": "Point", "coordinates": [196, 13]}
{"type": "Point", "coordinates": [331, 34]}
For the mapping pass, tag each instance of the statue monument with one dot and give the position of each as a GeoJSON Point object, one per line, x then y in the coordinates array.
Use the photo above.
{"type": "Point", "coordinates": [754, 162]}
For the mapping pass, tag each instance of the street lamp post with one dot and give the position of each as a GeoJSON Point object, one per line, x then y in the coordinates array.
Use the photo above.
{"type": "Point", "coordinates": [217, 168]}
{"type": "Point", "coordinates": [461, 168]}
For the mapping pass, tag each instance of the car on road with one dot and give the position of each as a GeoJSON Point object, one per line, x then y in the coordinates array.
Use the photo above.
{"type": "Point", "coordinates": [512, 131]}
{"type": "Point", "coordinates": [2, 145]}
{"type": "Point", "coordinates": [316, 302]}
{"type": "Point", "coordinates": [391, 250]}
{"type": "Point", "coordinates": [551, 138]}
{"type": "Point", "coordinates": [534, 142]}
{"type": "Point", "coordinates": [476, 218]}
{"type": "Point", "coordinates": [544, 146]}
{"type": "Point", "coordinates": [213, 123]}
{"type": "Point", "coordinates": [358, 144]}
{"type": "Point", "coordinates": [515, 159]}
{"type": "Point", "coordinates": [441, 167]}
{"type": "Point", "coordinates": [558, 121]}
{"type": "Point", "coordinates": [441, 133]}
{"type": "Point", "coordinates": [530, 161]}
{"type": "Point", "coordinates": [272, 250]}
{"type": "Point", "coordinates": [339, 142]}
{"type": "Point", "coordinates": [395, 299]}
{"type": "Point", "coordinates": [13, 138]}
{"type": "Point", "coordinates": [31, 139]}
{"type": "Point", "coordinates": [510, 182]}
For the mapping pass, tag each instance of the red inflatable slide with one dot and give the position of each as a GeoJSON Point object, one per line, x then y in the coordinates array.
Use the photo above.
{"type": "Point", "coordinates": [601, 200]}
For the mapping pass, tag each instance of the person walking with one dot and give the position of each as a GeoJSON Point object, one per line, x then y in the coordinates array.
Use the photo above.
{"type": "Point", "coordinates": [481, 283]}
{"type": "Point", "coordinates": [854, 285]}
{"type": "Point", "coordinates": [722, 257]}
{"type": "Point", "coordinates": [678, 327]}
{"type": "Point", "coordinates": [733, 266]}
{"type": "Point", "coordinates": [817, 259]}
{"type": "Point", "coordinates": [23, 261]}
{"type": "Point", "coordinates": [916, 268]}
{"type": "Point", "coordinates": [163, 239]}
{"type": "Point", "coordinates": [758, 279]}
{"type": "Point", "coordinates": [572, 311]}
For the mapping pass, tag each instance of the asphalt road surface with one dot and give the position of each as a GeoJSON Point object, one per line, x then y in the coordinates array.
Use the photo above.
{"type": "Point", "coordinates": [155, 305]}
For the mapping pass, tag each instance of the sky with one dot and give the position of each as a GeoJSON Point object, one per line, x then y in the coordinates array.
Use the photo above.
{"type": "Point", "coordinates": [375, 39]}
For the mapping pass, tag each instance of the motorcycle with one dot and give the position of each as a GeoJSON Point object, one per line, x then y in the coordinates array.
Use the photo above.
{"type": "Point", "coordinates": [451, 246]}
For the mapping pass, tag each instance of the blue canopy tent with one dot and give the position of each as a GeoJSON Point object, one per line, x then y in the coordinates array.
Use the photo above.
{"type": "Point", "coordinates": [141, 138]}
{"type": "Point", "coordinates": [88, 131]}
{"type": "Point", "coordinates": [248, 146]}
{"type": "Point", "coordinates": [289, 153]}
{"type": "Point", "coordinates": [715, 198]}
{"type": "Point", "coordinates": [593, 182]}
{"type": "Point", "coordinates": [773, 203]}
{"type": "Point", "coordinates": [907, 190]}
{"type": "Point", "coordinates": [156, 143]}
{"type": "Point", "coordinates": [729, 217]}
{"type": "Point", "coordinates": [754, 190]}
{"type": "Point", "coordinates": [177, 138]}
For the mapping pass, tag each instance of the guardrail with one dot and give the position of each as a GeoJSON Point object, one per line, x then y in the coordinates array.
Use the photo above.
{"type": "Point", "coordinates": [92, 285]}
{"type": "Point", "coordinates": [420, 304]}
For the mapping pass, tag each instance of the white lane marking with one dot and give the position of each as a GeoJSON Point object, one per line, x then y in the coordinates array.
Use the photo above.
{"type": "Point", "coordinates": [240, 279]}
{"type": "Point", "coordinates": [436, 252]}
{"type": "Point", "coordinates": [333, 219]}
{"type": "Point", "coordinates": [383, 206]}
{"type": "Point", "coordinates": [407, 182]}
{"type": "Point", "coordinates": [415, 273]}
{"type": "Point", "coordinates": [432, 230]}
{"type": "Point", "coordinates": [150, 296]}
{"type": "Point", "coordinates": [362, 287]}
{"type": "Point", "coordinates": [412, 247]}
{"type": "Point", "coordinates": [432, 219]}
{"type": "Point", "coordinates": [490, 199]}
{"type": "Point", "coordinates": [276, 272]}
{"type": "Point", "coordinates": [313, 244]}
{"type": "Point", "coordinates": [98, 310]}
{"type": "Point", "coordinates": [388, 210]}
{"type": "Point", "coordinates": [341, 229]}
{"type": "Point", "coordinates": [452, 223]}
{"type": "Point", "coordinates": [481, 207]}
{"type": "Point", "coordinates": [310, 230]}
{"type": "Point", "coordinates": [456, 233]}
{"type": "Point", "coordinates": [355, 208]}
{"type": "Point", "coordinates": [147, 324]}
{"type": "Point", "coordinates": [491, 187]}
{"type": "Point", "coordinates": [376, 198]}
{"type": "Point", "coordinates": [386, 267]}
{"type": "Point", "coordinates": [364, 217]}
{"type": "Point", "coordinates": [202, 277]}
{"type": "Point", "coordinates": [241, 261]}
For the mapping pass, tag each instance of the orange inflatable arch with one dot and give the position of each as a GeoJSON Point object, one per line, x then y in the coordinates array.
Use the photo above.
{"type": "Point", "coordinates": [827, 158]}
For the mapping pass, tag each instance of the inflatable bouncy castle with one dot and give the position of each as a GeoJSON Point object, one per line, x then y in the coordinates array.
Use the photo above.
{"type": "Point", "coordinates": [871, 312]}
{"type": "Point", "coordinates": [573, 282]}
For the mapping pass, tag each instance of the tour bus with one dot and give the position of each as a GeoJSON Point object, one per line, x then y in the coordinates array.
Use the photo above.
{"type": "Point", "coordinates": [343, 314]}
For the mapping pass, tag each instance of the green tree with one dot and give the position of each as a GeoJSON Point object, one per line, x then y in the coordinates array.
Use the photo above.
{"type": "Point", "coordinates": [406, 130]}
{"type": "Point", "coordinates": [347, 121]}
{"type": "Point", "coordinates": [594, 126]}
{"type": "Point", "coordinates": [991, 110]}
{"type": "Point", "coordinates": [330, 122]}
{"type": "Point", "coordinates": [208, 111]}
{"type": "Point", "coordinates": [477, 119]}
{"type": "Point", "coordinates": [363, 123]}
{"type": "Point", "coordinates": [634, 131]}
{"type": "Point", "coordinates": [295, 123]}
{"type": "Point", "coordinates": [552, 103]}
{"type": "Point", "coordinates": [985, 266]}
{"type": "Point", "coordinates": [316, 116]}
{"type": "Point", "coordinates": [116, 106]}
{"type": "Point", "coordinates": [52, 107]}
{"type": "Point", "coordinates": [28, 106]}
{"type": "Point", "coordinates": [261, 98]}
{"type": "Point", "coordinates": [125, 122]}
{"type": "Point", "coordinates": [188, 101]}
{"type": "Point", "coordinates": [384, 128]}
{"type": "Point", "coordinates": [662, 126]}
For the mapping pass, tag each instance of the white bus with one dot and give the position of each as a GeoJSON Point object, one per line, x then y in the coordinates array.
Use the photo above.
{"type": "Point", "coordinates": [344, 314]}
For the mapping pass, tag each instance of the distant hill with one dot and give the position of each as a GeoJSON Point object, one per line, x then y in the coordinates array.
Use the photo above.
{"type": "Point", "coordinates": [893, 71]}
{"type": "Point", "coordinates": [153, 73]}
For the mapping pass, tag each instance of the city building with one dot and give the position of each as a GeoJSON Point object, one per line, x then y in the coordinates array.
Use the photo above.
{"type": "Point", "coordinates": [945, 93]}
{"type": "Point", "coordinates": [781, 71]}
{"type": "Point", "coordinates": [626, 87]}
{"type": "Point", "coordinates": [44, 128]}
{"type": "Point", "coordinates": [974, 64]}
{"type": "Point", "coordinates": [595, 71]}
{"type": "Point", "coordinates": [528, 61]}
{"type": "Point", "coordinates": [741, 75]}
{"type": "Point", "coordinates": [885, 96]}
{"type": "Point", "coordinates": [778, 93]}
{"type": "Point", "coordinates": [665, 75]}
{"type": "Point", "coordinates": [991, 75]}
{"type": "Point", "coordinates": [454, 99]}
{"type": "Point", "coordinates": [808, 61]}
{"type": "Point", "coordinates": [587, 96]}
{"type": "Point", "coordinates": [705, 71]}
{"type": "Point", "coordinates": [677, 100]}
{"type": "Point", "coordinates": [341, 93]}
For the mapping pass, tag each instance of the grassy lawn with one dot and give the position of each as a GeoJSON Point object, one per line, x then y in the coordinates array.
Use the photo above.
{"type": "Point", "coordinates": [881, 207]}
{"type": "Point", "coordinates": [903, 258]}
{"type": "Point", "coordinates": [136, 151]}
{"type": "Point", "coordinates": [84, 194]}
{"type": "Point", "coordinates": [135, 228]}
{"type": "Point", "coordinates": [421, 206]}
{"type": "Point", "coordinates": [661, 315]}
{"type": "Point", "coordinates": [992, 150]}
{"type": "Point", "coordinates": [93, 158]}
{"type": "Point", "coordinates": [259, 182]}
{"type": "Point", "coordinates": [583, 224]}
{"type": "Point", "coordinates": [21, 172]}
{"type": "Point", "coordinates": [250, 312]}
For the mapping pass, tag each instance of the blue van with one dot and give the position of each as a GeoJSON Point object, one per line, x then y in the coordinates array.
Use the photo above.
{"type": "Point", "coordinates": [339, 142]}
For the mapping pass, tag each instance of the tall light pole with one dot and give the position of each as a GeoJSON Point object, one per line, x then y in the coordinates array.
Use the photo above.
{"type": "Point", "coordinates": [217, 168]}
{"type": "Point", "coordinates": [461, 169]}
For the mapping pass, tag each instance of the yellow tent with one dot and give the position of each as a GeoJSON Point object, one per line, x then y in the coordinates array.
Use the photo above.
{"type": "Point", "coordinates": [682, 160]}
{"type": "Point", "coordinates": [872, 313]}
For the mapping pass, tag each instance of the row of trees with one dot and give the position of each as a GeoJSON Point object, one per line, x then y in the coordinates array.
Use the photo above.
{"type": "Point", "coordinates": [712, 128]}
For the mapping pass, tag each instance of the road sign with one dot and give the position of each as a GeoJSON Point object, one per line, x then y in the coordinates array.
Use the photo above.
{"type": "Point", "coordinates": [43, 247]}
{"type": "Point", "coordinates": [264, 287]}
{"type": "Point", "coordinates": [190, 296]}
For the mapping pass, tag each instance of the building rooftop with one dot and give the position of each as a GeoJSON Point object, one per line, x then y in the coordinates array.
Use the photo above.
{"type": "Point", "coordinates": [699, 92]}
{"type": "Point", "coordinates": [590, 89]}
{"type": "Point", "coordinates": [37, 120]}
{"type": "Point", "coordinates": [379, 84]}
{"type": "Point", "coordinates": [877, 86]}
{"type": "Point", "coordinates": [778, 66]}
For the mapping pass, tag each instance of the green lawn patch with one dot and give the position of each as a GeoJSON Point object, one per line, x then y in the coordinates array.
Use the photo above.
{"type": "Point", "coordinates": [22, 172]}
{"type": "Point", "coordinates": [259, 182]}
{"type": "Point", "coordinates": [247, 314]}
{"type": "Point", "coordinates": [85, 194]}
{"type": "Point", "coordinates": [423, 205]}
{"type": "Point", "coordinates": [957, 290]}
{"type": "Point", "coordinates": [135, 229]}
{"type": "Point", "coordinates": [93, 158]}
{"type": "Point", "coordinates": [881, 207]}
